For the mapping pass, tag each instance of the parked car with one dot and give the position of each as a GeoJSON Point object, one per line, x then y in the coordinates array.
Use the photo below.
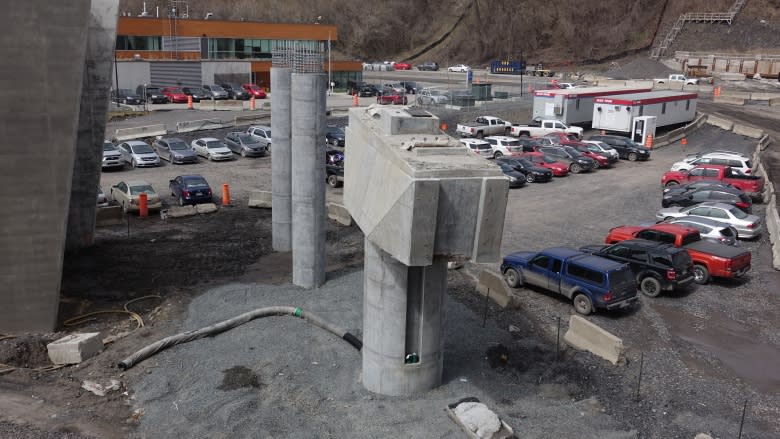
{"type": "Point", "coordinates": [335, 136]}
{"type": "Point", "coordinates": [734, 197]}
{"type": "Point", "coordinates": [626, 148]}
{"type": "Point", "coordinates": [102, 200]}
{"type": "Point", "coordinates": [747, 226]}
{"type": "Point", "coordinates": [126, 96]}
{"type": "Point", "coordinates": [656, 266]}
{"type": "Point", "coordinates": [708, 228]}
{"type": "Point", "coordinates": [261, 133]}
{"type": "Point", "coordinates": [430, 66]}
{"type": "Point", "coordinates": [126, 194]}
{"type": "Point", "coordinates": [409, 86]}
{"type": "Point", "coordinates": [334, 167]}
{"type": "Point", "coordinates": [392, 97]}
{"type": "Point", "coordinates": [578, 163]}
{"type": "Point", "coordinates": [174, 150]}
{"type": "Point", "coordinates": [198, 94]}
{"type": "Point", "coordinates": [212, 149]}
{"type": "Point", "coordinates": [112, 158]}
{"type": "Point", "coordinates": [527, 144]}
{"type": "Point", "coordinates": [602, 148]}
{"type": "Point", "coordinates": [432, 97]}
{"type": "Point", "coordinates": [175, 95]}
{"type": "Point", "coordinates": [589, 281]}
{"type": "Point", "coordinates": [479, 147]}
{"type": "Point", "coordinates": [516, 178]}
{"type": "Point", "coordinates": [483, 126]}
{"type": "Point", "coordinates": [245, 144]}
{"type": "Point", "coordinates": [138, 154]}
{"type": "Point", "coordinates": [152, 93]}
{"type": "Point", "coordinates": [402, 66]}
{"type": "Point", "coordinates": [699, 184]}
{"type": "Point", "coordinates": [235, 91]}
{"type": "Point", "coordinates": [600, 161]}
{"type": "Point", "coordinates": [460, 68]}
{"type": "Point", "coordinates": [533, 173]}
{"type": "Point", "coordinates": [559, 169]}
{"type": "Point", "coordinates": [753, 185]}
{"type": "Point", "coordinates": [190, 189]}
{"type": "Point", "coordinates": [217, 92]}
{"type": "Point", "coordinates": [738, 162]}
{"type": "Point", "coordinates": [368, 90]}
{"type": "Point", "coordinates": [254, 91]}
{"type": "Point", "coordinates": [504, 145]}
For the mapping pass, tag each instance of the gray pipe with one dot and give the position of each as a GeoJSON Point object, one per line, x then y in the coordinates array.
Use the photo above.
{"type": "Point", "coordinates": [229, 324]}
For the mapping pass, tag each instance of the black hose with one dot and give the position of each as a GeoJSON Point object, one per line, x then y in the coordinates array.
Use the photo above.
{"type": "Point", "coordinates": [229, 324]}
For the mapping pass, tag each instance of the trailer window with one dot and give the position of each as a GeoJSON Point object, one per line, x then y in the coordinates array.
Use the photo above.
{"type": "Point", "coordinates": [641, 110]}
{"type": "Point", "coordinates": [687, 105]}
{"type": "Point", "coordinates": [577, 104]}
{"type": "Point", "coordinates": [663, 108]}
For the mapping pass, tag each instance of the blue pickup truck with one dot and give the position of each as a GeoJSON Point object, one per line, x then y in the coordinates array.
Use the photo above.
{"type": "Point", "coordinates": [589, 281]}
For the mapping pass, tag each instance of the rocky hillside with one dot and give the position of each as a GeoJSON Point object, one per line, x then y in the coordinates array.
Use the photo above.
{"type": "Point", "coordinates": [472, 31]}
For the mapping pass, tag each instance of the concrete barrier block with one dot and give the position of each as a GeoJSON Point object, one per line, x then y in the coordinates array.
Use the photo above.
{"type": "Point", "coordinates": [122, 134]}
{"type": "Point", "coordinates": [109, 216]}
{"type": "Point", "coordinates": [587, 336]}
{"type": "Point", "coordinates": [763, 96]}
{"type": "Point", "coordinates": [228, 105]}
{"type": "Point", "coordinates": [736, 94]}
{"type": "Point", "coordinates": [75, 348]}
{"type": "Point", "coordinates": [260, 199]}
{"type": "Point", "coordinates": [748, 131]}
{"type": "Point", "coordinates": [205, 208]}
{"type": "Point", "coordinates": [339, 213]}
{"type": "Point", "coordinates": [181, 211]}
{"type": "Point", "coordinates": [492, 284]}
{"type": "Point", "coordinates": [729, 76]}
{"type": "Point", "coordinates": [722, 99]}
{"type": "Point", "coordinates": [720, 122]}
{"type": "Point", "coordinates": [774, 102]}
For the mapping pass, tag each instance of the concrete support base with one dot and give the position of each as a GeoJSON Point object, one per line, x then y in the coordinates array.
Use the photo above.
{"type": "Point", "coordinates": [281, 160]}
{"type": "Point", "coordinates": [403, 316]}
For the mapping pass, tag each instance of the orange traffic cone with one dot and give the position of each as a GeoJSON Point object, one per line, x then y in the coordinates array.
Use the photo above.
{"type": "Point", "coordinates": [355, 100]}
{"type": "Point", "coordinates": [649, 141]}
{"type": "Point", "coordinates": [225, 194]}
{"type": "Point", "coordinates": [143, 205]}
{"type": "Point", "coordinates": [444, 126]}
{"type": "Point", "coordinates": [252, 104]}
{"type": "Point", "coordinates": [684, 141]}
{"type": "Point", "coordinates": [189, 102]}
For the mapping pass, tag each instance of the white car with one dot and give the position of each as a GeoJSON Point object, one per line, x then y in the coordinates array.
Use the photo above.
{"type": "Point", "coordinates": [735, 161]}
{"type": "Point", "coordinates": [747, 225]}
{"type": "Point", "coordinates": [504, 145]}
{"type": "Point", "coordinates": [479, 147]}
{"type": "Point", "coordinates": [212, 149]}
{"type": "Point", "coordinates": [461, 68]}
{"type": "Point", "coordinates": [138, 154]}
{"type": "Point", "coordinates": [566, 85]}
{"type": "Point", "coordinates": [112, 158]}
{"type": "Point", "coordinates": [432, 97]}
{"type": "Point", "coordinates": [601, 148]}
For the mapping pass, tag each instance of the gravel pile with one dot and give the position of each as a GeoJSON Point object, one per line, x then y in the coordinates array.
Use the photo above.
{"type": "Point", "coordinates": [640, 68]}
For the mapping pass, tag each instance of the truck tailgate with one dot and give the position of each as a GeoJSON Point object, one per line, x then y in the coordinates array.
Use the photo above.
{"type": "Point", "coordinates": [740, 257]}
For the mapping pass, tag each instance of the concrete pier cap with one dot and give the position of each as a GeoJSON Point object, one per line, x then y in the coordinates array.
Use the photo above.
{"type": "Point", "coordinates": [420, 197]}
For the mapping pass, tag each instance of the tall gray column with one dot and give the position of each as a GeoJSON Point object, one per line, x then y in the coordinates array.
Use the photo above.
{"type": "Point", "coordinates": [403, 315]}
{"type": "Point", "coordinates": [308, 182]}
{"type": "Point", "coordinates": [281, 159]}
{"type": "Point", "coordinates": [92, 123]}
{"type": "Point", "coordinates": [44, 46]}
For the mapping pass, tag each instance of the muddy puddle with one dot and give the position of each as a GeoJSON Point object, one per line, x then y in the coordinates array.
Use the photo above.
{"type": "Point", "coordinates": [732, 343]}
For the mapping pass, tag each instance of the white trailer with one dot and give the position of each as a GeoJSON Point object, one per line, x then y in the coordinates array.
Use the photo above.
{"type": "Point", "coordinates": [617, 113]}
{"type": "Point", "coordinates": [574, 105]}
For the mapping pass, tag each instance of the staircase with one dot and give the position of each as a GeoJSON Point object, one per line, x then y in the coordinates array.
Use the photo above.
{"type": "Point", "coordinates": [696, 17]}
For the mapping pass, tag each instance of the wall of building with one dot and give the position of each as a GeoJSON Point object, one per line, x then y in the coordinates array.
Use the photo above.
{"type": "Point", "coordinates": [131, 74]}
{"type": "Point", "coordinates": [218, 72]}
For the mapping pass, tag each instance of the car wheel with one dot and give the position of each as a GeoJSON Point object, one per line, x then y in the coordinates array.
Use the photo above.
{"type": "Point", "coordinates": [596, 164]}
{"type": "Point", "coordinates": [243, 153]}
{"type": "Point", "coordinates": [575, 168]}
{"type": "Point", "coordinates": [632, 157]}
{"type": "Point", "coordinates": [333, 181]}
{"type": "Point", "coordinates": [498, 155]}
{"type": "Point", "coordinates": [582, 304]}
{"type": "Point", "coordinates": [181, 200]}
{"type": "Point", "coordinates": [512, 278]}
{"type": "Point", "coordinates": [650, 287]}
{"type": "Point", "coordinates": [124, 207]}
{"type": "Point", "coordinates": [133, 163]}
{"type": "Point", "coordinates": [671, 183]}
{"type": "Point", "coordinates": [700, 274]}
{"type": "Point", "coordinates": [480, 135]}
{"type": "Point", "coordinates": [530, 178]}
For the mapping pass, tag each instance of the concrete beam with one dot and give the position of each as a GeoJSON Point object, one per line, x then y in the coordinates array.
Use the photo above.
{"type": "Point", "coordinates": [122, 134]}
{"type": "Point", "coordinates": [281, 159]}
{"type": "Point", "coordinates": [198, 125]}
{"type": "Point", "coordinates": [720, 122]}
{"type": "Point", "coordinates": [747, 131]}
{"type": "Point", "coordinates": [587, 336]}
{"type": "Point", "coordinates": [733, 100]}
{"type": "Point", "coordinates": [260, 199]}
{"type": "Point", "coordinates": [75, 348]}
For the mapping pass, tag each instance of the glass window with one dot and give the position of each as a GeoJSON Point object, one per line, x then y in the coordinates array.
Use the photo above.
{"type": "Point", "coordinates": [131, 42]}
{"type": "Point", "coordinates": [663, 108]}
{"type": "Point", "coordinates": [718, 213]}
{"type": "Point", "coordinates": [541, 261]}
{"type": "Point", "coordinates": [638, 255]}
{"type": "Point", "coordinates": [687, 105]}
{"type": "Point", "coordinates": [556, 266]}
{"type": "Point", "coordinates": [662, 260]}
{"type": "Point", "coordinates": [586, 274]}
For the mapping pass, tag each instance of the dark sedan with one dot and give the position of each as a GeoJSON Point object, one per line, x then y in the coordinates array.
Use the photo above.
{"type": "Point", "coordinates": [197, 93]}
{"type": "Point", "coordinates": [626, 148]}
{"type": "Point", "coordinates": [334, 167]}
{"type": "Point", "coordinates": [235, 91]}
{"type": "Point", "coordinates": [245, 144]}
{"type": "Point", "coordinates": [368, 90]}
{"type": "Point", "coordinates": [126, 96]}
{"type": "Point", "coordinates": [335, 136]}
{"type": "Point", "coordinates": [516, 178]}
{"type": "Point", "coordinates": [577, 162]}
{"type": "Point", "coordinates": [701, 184]}
{"type": "Point", "coordinates": [190, 189]}
{"type": "Point", "coordinates": [533, 173]}
{"type": "Point", "coordinates": [728, 196]}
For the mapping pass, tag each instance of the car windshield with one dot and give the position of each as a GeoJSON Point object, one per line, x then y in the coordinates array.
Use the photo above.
{"type": "Point", "coordinates": [738, 213]}
{"type": "Point", "coordinates": [254, 87]}
{"type": "Point", "coordinates": [247, 138]}
{"type": "Point", "coordinates": [214, 144]}
{"type": "Point", "coordinates": [175, 90]}
{"type": "Point", "coordinates": [548, 159]}
{"type": "Point", "coordinates": [108, 146]}
{"type": "Point", "coordinates": [153, 90]}
{"type": "Point", "coordinates": [178, 146]}
{"type": "Point", "coordinates": [142, 149]}
{"type": "Point", "coordinates": [525, 162]}
{"type": "Point", "coordinates": [135, 190]}
{"type": "Point", "coordinates": [195, 183]}
{"type": "Point", "coordinates": [217, 88]}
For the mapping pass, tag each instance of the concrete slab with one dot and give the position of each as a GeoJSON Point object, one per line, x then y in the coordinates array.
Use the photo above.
{"type": "Point", "coordinates": [181, 211]}
{"type": "Point", "coordinates": [747, 131]}
{"type": "Point", "coordinates": [492, 284]}
{"type": "Point", "coordinates": [109, 216]}
{"type": "Point", "coordinates": [75, 348]}
{"type": "Point", "coordinates": [728, 100]}
{"type": "Point", "coordinates": [587, 336]}
{"type": "Point", "coordinates": [735, 94]}
{"type": "Point", "coordinates": [763, 96]}
{"type": "Point", "coordinates": [729, 76]}
{"type": "Point", "coordinates": [205, 208]}
{"type": "Point", "coordinates": [720, 122]}
{"type": "Point", "coordinates": [122, 134]}
{"type": "Point", "coordinates": [260, 199]}
{"type": "Point", "coordinates": [774, 102]}
{"type": "Point", "coordinates": [339, 213]}
{"type": "Point", "coordinates": [252, 119]}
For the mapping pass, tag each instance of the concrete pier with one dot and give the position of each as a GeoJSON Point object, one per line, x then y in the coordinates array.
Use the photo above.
{"type": "Point", "coordinates": [308, 184]}
{"type": "Point", "coordinates": [281, 159]}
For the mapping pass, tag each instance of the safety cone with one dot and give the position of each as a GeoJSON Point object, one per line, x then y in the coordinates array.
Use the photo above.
{"type": "Point", "coordinates": [649, 141]}
{"type": "Point", "coordinates": [444, 126]}
{"type": "Point", "coordinates": [355, 100]}
{"type": "Point", "coordinates": [252, 103]}
{"type": "Point", "coordinates": [684, 141]}
{"type": "Point", "coordinates": [189, 102]}
{"type": "Point", "coordinates": [225, 194]}
{"type": "Point", "coordinates": [143, 205]}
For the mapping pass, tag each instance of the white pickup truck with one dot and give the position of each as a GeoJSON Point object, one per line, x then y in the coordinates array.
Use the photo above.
{"type": "Point", "coordinates": [678, 78]}
{"type": "Point", "coordinates": [544, 127]}
{"type": "Point", "coordinates": [483, 126]}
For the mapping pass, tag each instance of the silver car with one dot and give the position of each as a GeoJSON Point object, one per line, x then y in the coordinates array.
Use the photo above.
{"type": "Point", "coordinates": [245, 144]}
{"type": "Point", "coordinates": [601, 148]}
{"type": "Point", "coordinates": [138, 154]}
{"type": "Point", "coordinates": [709, 229]}
{"type": "Point", "coordinates": [217, 92]}
{"type": "Point", "coordinates": [212, 149]}
{"type": "Point", "coordinates": [747, 226]}
{"type": "Point", "coordinates": [112, 158]}
{"type": "Point", "coordinates": [261, 133]}
{"type": "Point", "coordinates": [175, 150]}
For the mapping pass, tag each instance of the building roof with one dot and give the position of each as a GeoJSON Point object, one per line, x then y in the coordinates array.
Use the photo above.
{"type": "Point", "coordinates": [646, 98]}
{"type": "Point", "coordinates": [583, 92]}
{"type": "Point", "coordinates": [187, 27]}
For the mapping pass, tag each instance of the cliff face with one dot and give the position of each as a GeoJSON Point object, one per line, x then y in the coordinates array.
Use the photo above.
{"type": "Point", "coordinates": [475, 32]}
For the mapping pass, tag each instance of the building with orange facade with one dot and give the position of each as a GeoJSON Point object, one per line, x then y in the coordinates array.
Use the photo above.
{"type": "Point", "coordinates": [176, 51]}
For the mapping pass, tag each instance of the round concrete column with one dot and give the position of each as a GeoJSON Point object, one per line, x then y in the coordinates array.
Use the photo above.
{"type": "Point", "coordinates": [281, 160]}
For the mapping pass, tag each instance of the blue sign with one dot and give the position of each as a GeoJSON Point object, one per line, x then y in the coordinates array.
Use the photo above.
{"type": "Point", "coordinates": [469, 77]}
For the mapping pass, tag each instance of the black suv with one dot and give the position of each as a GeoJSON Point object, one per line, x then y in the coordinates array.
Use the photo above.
{"type": "Point", "coordinates": [657, 266]}
{"type": "Point", "coordinates": [625, 147]}
{"type": "Point", "coordinates": [432, 66]}
{"type": "Point", "coordinates": [154, 94]}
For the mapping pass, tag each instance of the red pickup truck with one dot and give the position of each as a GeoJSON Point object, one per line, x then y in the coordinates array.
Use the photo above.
{"type": "Point", "coordinates": [709, 258]}
{"type": "Point", "coordinates": [753, 185]}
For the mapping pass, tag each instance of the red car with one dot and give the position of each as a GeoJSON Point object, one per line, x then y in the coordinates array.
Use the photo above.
{"type": "Point", "coordinates": [393, 98]}
{"type": "Point", "coordinates": [254, 91]}
{"type": "Point", "coordinates": [539, 159]}
{"type": "Point", "coordinates": [601, 161]}
{"type": "Point", "coordinates": [562, 138]}
{"type": "Point", "coordinates": [402, 66]}
{"type": "Point", "coordinates": [175, 95]}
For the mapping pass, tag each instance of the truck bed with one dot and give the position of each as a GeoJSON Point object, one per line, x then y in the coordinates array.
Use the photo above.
{"type": "Point", "coordinates": [719, 250]}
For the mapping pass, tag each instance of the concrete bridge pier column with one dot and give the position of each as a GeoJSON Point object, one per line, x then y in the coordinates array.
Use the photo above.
{"type": "Point", "coordinates": [281, 160]}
